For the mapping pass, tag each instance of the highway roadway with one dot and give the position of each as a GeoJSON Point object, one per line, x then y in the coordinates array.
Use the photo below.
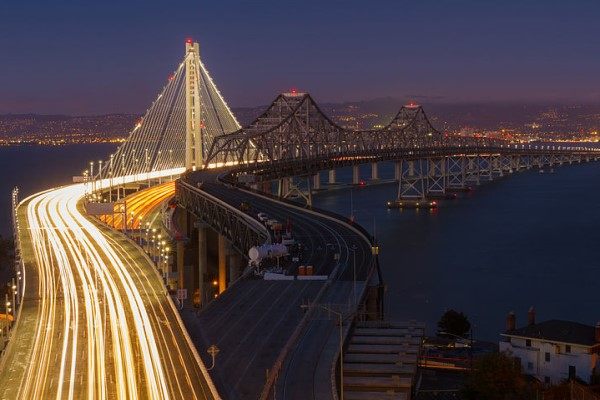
{"type": "Point", "coordinates": [253, 320]}
{"type": "Point", "coordinates": [97, 321]}
{"type": "Point", "coordinates": [140, 205]}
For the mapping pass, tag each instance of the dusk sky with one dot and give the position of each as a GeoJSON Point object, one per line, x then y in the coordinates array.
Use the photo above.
{"type": "Point", "coordinates": [95, 57]}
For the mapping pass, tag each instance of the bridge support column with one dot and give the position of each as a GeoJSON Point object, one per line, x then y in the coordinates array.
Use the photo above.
{"type": "Point", "coordinates": [355, 174]}
{"type": "Point", "coordinates": [411, 185]}
{"type": "Point", "coordinates": [332, 176]}
{"type": "Point", "coordinates": [283, 187]}
{"type": "Point", "coordinates": [266, 187]}
{"type": "Point", "coordinates": [180, 260]}
{"type": "Point", "coordinates": [436, 176]}
{"type": "Point", "coordinates": [374, 171]}
{"type": "Point", "coordinates": [455, 173]}
{"type": "Point", "coordinates": [317, 181]}
{"type": "Point", "coordinates": [222, 249]}
{"type": "Point", "coordinates": [397, 170]}
{"type": "Point", "coordinates": [202, 260]}
{"type": "Point", "coordinates": [473, 170]}
{"type": "Point", "coordinates": [183, 225]}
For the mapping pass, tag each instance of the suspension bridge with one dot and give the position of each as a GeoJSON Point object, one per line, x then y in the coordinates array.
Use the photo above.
{"type": "Point", "coordinates": [99, 317]}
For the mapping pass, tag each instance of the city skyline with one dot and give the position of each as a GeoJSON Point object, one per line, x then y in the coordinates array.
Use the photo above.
{"type": "Point", "coordinates": [64, 58]}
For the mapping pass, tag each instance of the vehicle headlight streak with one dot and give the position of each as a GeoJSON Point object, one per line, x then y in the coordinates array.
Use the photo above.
{"type": "Point", "coordinates": [81, 274]}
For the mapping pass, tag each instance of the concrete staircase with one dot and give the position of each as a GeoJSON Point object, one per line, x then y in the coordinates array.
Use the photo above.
{"type": "Point", "coordinates": [380, 361]}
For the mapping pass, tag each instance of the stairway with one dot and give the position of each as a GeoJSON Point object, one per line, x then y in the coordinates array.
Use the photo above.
{"type": "Point", "coordinates": [380, 361]}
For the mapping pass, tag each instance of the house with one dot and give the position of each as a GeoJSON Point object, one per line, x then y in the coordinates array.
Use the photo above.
{"type": "Point", "coordinates": [554, 350]}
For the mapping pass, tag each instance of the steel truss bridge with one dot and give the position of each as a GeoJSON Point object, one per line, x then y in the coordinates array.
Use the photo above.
{"type": "Point", "coordinates": [189, 127]}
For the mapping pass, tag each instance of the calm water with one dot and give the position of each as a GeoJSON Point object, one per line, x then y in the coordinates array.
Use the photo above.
{"type": "Point", "coordinates": [35, 168]}
{"type": "Point", "coordinates": [527, 239]}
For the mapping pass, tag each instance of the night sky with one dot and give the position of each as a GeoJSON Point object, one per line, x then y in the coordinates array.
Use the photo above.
{"type": "Point", "coordinates": [95, 57]}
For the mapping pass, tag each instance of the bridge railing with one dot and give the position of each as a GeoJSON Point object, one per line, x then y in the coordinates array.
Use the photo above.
{"type": "Point", "coordinates": [239, 228]}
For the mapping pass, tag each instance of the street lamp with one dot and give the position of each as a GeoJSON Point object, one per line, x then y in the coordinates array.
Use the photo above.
{"type": "Point", "coordinates": [341, 349]}
{"type": "Point", "coordinates": [353, 249]}
{"type": "Point", "coordinates": [213, 350]}
{"type": "Point", "coordinates": [92, 175]}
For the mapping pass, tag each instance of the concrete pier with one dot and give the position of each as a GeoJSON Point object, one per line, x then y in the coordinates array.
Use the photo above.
{"type": "Point", "coordinates": [317, 182]}
{"type": "Point", "coordinates": [332, 176]}
{"type": "Point", "coordinates": [355, 174]}
{"type": "Point", "coordinates": [202, 259]}
{"type": "Point", "coordinates": [374, 171]}
{"type": "Point", "coordinates": [222, 257]}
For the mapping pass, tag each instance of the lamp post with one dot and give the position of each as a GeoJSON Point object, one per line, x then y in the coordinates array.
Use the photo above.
{"type": "Point", "coordinates": [147, 169]}
{"type": "Point", "coordinates": [110, 177]}
{"type": "Point", "coordinates": [132, 221]}
{"type": "Point", "coordinates": [171, 162]}
{"type": "Point", "coordinates": [7, 310]}
{"type": "Point", "coordinates": [353, 249]}
{"type": "Point", "coordinates": [100, 171]}
{"type": "Point", "coordinates": [341, 348]}
{"type": "Point", "coordinates": [92, 175]}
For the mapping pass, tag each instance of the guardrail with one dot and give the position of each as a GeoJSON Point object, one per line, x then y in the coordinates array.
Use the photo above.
{"type": "Point", "coordinates": [13, 304]}
{"type": "Point", "coordinates": [243, 233]}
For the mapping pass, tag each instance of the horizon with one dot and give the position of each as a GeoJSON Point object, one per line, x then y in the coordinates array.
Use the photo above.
{"type": "Point", "coordinates": [401, 102]}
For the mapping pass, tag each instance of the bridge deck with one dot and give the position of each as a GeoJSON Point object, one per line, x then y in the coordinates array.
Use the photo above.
{"type": "Point", "coordinates": [254, 319]}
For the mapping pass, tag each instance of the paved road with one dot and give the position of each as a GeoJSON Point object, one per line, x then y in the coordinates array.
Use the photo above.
{"type": "Point", "coordinates": [97, 321]}
{"type": "Point", "coordinates": [252, 321]}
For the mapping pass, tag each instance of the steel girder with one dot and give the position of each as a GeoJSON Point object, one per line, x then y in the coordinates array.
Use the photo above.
{"type": "Point", "coordinates": [294, 128]}
{"type": "Point", "coordinates": [436, 175]}
{"type": "Point", "coordinates": [411, 183]}
{"type": "Point", "coordinates": [228, 221]}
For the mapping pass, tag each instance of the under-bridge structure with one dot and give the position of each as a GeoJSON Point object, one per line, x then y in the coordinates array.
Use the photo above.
{"type": "Point", "coordinates": [210, 324]}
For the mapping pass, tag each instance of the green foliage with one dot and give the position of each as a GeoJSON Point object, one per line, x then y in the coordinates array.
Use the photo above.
{"type": "Point", "coordinates": [497, 376]}
{"type": "Point", "coordinates": [454, 323]}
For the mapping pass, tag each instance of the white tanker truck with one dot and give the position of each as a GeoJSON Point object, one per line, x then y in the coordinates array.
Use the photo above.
{"type": "Point", "coordinates": [266, 251]}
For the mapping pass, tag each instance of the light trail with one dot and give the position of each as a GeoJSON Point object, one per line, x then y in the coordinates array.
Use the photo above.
{"type": "Point", "coordinates": [140, 205]}
{"type": "Point", "coordinates": [104, 327]}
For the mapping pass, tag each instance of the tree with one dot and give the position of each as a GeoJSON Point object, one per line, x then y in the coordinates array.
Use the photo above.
{"type": "Point", "coordinates": [454, 323]}
{"type": "Point", "coordinates": [496, 376]}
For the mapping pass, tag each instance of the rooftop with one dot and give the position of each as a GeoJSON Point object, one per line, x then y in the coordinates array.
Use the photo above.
{"type": "Point", "coordinates": [558, 331]}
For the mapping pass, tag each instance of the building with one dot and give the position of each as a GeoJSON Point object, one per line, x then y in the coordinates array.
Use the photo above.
{"type": "Point", "coordinates": [554, 350]}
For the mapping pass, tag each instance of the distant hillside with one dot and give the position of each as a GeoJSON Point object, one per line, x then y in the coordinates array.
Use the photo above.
{"type": "Point", "coordinates": [520, 118]}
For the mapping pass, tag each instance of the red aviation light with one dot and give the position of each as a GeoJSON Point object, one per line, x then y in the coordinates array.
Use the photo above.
{"type": "Point", "coordinates": [171, 77]}
{"type": "Point", "coordinates": [189, 40]}
{"type": "Point", "coordinates": [294, 91]}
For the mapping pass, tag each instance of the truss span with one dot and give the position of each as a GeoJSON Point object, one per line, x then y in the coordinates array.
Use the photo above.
{"type": "Point", "coordinates": [294, 128]}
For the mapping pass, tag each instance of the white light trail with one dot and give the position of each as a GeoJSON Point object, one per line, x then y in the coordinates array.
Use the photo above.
{"type": "Point", "coordinates": [94, 338]}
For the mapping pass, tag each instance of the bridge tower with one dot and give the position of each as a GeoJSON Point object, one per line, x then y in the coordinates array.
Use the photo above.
{"type": "Point", "coordinates": [193, 121]}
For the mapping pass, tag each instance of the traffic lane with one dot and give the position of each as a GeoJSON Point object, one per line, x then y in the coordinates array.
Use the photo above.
{"type": "Point", "coordinates": [184, 375]}
{"type": "Point", "coordinates": [298, 380]}
{"type": "Point", "coordinates": [304, 230]}
{"type": "Point", "coordinates": [311, 223]}
{"type": "Point", "coordinates": [256, 329]}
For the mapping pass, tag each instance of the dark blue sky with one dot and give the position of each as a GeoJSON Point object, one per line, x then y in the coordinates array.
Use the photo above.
{"type": "Point", "coordinates": [92, 57]}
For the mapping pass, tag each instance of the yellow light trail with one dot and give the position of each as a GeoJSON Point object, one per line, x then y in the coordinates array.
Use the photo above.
{"type": "Point", "coordinates": [102, 330]}
{"type": "Point", "coordinates": [140, 205]}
